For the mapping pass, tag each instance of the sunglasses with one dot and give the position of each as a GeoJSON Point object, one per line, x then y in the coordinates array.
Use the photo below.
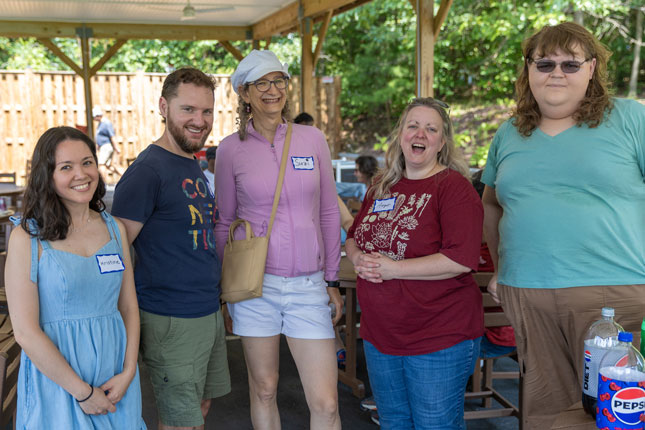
{"type": "Point", "coordinates": [440, 103]}
{"type": "Point", "coordinates": [567, 66]}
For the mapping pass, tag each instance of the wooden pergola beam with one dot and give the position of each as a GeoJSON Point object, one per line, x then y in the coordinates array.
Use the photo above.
{"type": "Point", "coordinates": [125, 31]}
{"type": "Point", "coordinates": [287, 18]}
{"type": "Point", "coordinates": [442, 13]}
{"type": "Point", "coordinates": [85, 34]}
{"type": "Point", "coordinates": [231, 49]}
{"type": "Point", "coordinates": [106, 57]}
{"type": "Point", "coordinates": [321, 36]}
{"type": "Point", "coordinates": [425, 48]}
{"type": "Point", "coordinates": [61, 55]}
{"type": "Point", "coordinates": [306, 66]}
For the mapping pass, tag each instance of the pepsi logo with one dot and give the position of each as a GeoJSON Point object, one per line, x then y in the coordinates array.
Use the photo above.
{"type": "Point", "coordinates": [628, 404]}
{"type": "Point", "coordinates": [587, 355]}
{"type": "Point", "coordinates": [622, 362]}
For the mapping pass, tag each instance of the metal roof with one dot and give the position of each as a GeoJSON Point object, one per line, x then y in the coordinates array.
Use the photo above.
{"type": "Point", "coordinates": [164, 19]}
{"type": "Point", "coordinates": [206, 12]}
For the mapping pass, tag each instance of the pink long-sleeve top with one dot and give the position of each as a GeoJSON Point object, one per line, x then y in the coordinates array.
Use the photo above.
{"type": "Point", "coordinates": [306, 232]}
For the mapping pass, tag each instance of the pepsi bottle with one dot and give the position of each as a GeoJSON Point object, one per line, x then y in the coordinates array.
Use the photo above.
{"type": "Point", "coordinates": [621, 387]}
{"type": "Point", "coordinates": [601, 337]}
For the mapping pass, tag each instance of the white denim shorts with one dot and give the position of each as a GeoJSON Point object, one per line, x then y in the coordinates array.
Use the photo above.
{"type": "Point", "coordinates": [297, 307]}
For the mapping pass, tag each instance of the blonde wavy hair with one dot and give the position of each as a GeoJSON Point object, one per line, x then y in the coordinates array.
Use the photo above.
{"type": "Point", "coordinates": [245, 113]}
{"type": "Point", "coordinates": [566, 37]}
{"type": "Point", "coordinates": [449, 156]}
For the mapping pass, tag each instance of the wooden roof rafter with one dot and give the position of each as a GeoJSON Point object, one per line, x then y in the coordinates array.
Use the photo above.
{"type": "Point", "coordinates": [103, 30]}
{"type": "Point", "coordinates": [287, 20]}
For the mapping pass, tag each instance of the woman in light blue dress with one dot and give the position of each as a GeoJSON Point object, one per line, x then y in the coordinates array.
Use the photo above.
{"type": "Point", "coordinates": [71, 296]}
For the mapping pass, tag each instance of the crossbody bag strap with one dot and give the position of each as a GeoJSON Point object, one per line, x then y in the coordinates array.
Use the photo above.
{"type": "Point", "coordinates": [278, 186]}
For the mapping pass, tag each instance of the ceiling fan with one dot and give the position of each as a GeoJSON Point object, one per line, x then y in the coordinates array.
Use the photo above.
{"type": "Point", "coordinates": [191, 12]}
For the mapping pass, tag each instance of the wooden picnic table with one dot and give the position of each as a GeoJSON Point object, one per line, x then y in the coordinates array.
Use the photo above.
{"type": "Point", "coordinates": [347, 278]}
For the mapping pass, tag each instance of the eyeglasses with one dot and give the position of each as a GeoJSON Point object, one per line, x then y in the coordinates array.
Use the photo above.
{"type": "Point", "coordinates": [263, 85]}
{"type": "Point", "coordinates": [567, 66]}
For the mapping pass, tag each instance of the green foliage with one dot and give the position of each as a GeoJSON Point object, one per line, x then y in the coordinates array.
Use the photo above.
{"type": "Point", "coordinates": [372, 47]}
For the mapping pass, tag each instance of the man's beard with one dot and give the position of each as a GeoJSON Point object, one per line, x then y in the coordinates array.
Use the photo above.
{"type": "Point", "coordinates": [179, 136]}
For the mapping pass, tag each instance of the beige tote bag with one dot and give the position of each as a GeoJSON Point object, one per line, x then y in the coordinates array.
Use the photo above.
{"type": "Point", "coordinates": [245, 259]}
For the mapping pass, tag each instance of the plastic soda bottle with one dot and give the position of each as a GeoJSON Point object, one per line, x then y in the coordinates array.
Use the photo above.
{"type": "Point", "coordinates": [621, 392]}
{"type": "Point", "coordinates": [601, 336]}
{"type": "Point", "coordinates": [643, 338]}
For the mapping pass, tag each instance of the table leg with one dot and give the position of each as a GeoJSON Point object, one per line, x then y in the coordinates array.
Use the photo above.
{"type": "Point", "coordinates": [348, 376]}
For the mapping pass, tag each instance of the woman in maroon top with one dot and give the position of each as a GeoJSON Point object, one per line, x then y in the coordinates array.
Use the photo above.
{"type": "Point", "coordinates": [413, 245]}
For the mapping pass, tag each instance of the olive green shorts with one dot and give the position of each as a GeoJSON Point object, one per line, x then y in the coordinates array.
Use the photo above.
{"type": "Point", "coordinates": [186, 359]}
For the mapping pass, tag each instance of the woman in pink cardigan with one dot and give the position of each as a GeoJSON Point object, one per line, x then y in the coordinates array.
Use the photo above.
{"type": "Point", "coordinates": [301, 272]}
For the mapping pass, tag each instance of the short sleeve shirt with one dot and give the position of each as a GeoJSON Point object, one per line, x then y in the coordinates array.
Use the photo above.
{"type": "Point", "coordinates": [440, 214]}
{"type": "Point", "coordinates": [573, 204]}
{"type": "Point", "coordinates": [104, 132]}
{"type": "Point", "coordinates": [177, 271]}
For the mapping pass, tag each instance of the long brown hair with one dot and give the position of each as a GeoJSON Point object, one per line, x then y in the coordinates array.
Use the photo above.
{"type": "Point", "coordinates": [41, 203]}
{"type": "Point", "coordinates": [565, 37]}
{"type": "Point", "coordinates": [395, 161]}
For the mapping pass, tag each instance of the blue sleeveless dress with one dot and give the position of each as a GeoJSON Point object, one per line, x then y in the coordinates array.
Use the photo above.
{"type": "Point", "coordinates": [78, 312]}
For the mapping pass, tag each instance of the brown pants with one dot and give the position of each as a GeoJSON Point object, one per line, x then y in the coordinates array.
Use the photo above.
{"type": "Point", "coordinates": [550, 325]}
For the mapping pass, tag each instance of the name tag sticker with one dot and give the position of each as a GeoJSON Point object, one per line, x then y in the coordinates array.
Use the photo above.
{"type": "Point", "coordinates": [109, 263]}
{"type": "Point", "coordinates": [303, 163]}
{"type": "Point", "coordinates": [384, 205]}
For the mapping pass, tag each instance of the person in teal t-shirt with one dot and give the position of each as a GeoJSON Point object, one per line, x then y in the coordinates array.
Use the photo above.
{"type": "Point", "coordinates": [565, 212]}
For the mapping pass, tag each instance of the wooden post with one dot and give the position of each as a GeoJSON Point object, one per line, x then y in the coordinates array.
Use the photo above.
{"type": "Point", "coordinates": [425, 48]}
{"type": "Point", "coordinates": [85, 33]}
{"type": "Point", "coordinates": [307, 65]}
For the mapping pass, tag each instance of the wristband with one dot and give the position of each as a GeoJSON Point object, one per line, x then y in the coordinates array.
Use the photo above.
{"type": "Point", "coordinates": [87, 398]}
{"type": "Point", "coordinates": [333, 284]}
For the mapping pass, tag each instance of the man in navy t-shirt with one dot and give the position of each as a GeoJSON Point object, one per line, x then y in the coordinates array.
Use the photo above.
{"type": "Point", "coordinates": [168, 210]}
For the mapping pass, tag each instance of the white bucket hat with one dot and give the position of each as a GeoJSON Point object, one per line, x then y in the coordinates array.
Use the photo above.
{"type": "Point", "coordinates": [97, 111]}
{"type": "Point", "coordinates": [255, 65]}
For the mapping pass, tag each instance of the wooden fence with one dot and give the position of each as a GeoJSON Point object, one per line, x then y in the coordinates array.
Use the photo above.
{"type": "Point", "coordinates": [32, 102]}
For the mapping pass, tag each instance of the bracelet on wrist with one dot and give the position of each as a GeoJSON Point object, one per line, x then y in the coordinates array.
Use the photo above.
{"type": "Point", "coordinates": [88, 397]}
{"type": "Point", "coordinates": [333, 284]}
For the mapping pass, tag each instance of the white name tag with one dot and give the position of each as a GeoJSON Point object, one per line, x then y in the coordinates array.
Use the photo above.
{"type": "Point", "coordinates": [303, 163]}
{"type": "Point", "coordinates": [384, 205]}
{"type": "Point", "coordinates": [109, 263]}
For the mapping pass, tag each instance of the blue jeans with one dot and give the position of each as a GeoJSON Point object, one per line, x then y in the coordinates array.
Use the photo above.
{"type": "Point", "coordinates": [421, 392]}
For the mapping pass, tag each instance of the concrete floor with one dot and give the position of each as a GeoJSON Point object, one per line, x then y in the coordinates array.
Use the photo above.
{"type": "Point", "coordinates": [231, 412]}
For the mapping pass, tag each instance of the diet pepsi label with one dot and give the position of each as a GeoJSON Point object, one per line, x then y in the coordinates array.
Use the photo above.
{"type": "Point", "coordinates": [621, 405]}
{"type": "Point", "coordinates": [591, 360]}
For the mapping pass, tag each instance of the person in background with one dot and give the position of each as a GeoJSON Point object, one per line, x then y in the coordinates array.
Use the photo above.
{"type": "Point", "coordinates": [301, 275]}
{"type": "Point", "coordinates": [304, 118]}
{"type": "Point", "coordinates": [71, 296]}
{"type": "Point", "coordinates": [106, 147]}
{"type": "Point", "coordinates": [211, 155]}
{"type": "Point", "coordinates": [414, 245]}
{"type": "Point", "coordinates": [564, 204]}
{"type": "Point", "coordinates": [366, 168]}
{"type": "Point", "coordinates": [168, 211]}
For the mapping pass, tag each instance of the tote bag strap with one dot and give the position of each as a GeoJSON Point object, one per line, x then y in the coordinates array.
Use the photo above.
{"type": "Point", "coordinates": [278, 186]}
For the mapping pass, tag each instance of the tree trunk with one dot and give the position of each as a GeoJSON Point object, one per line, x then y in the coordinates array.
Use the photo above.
{"type": "Point", "coordinates": [633, 79]}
